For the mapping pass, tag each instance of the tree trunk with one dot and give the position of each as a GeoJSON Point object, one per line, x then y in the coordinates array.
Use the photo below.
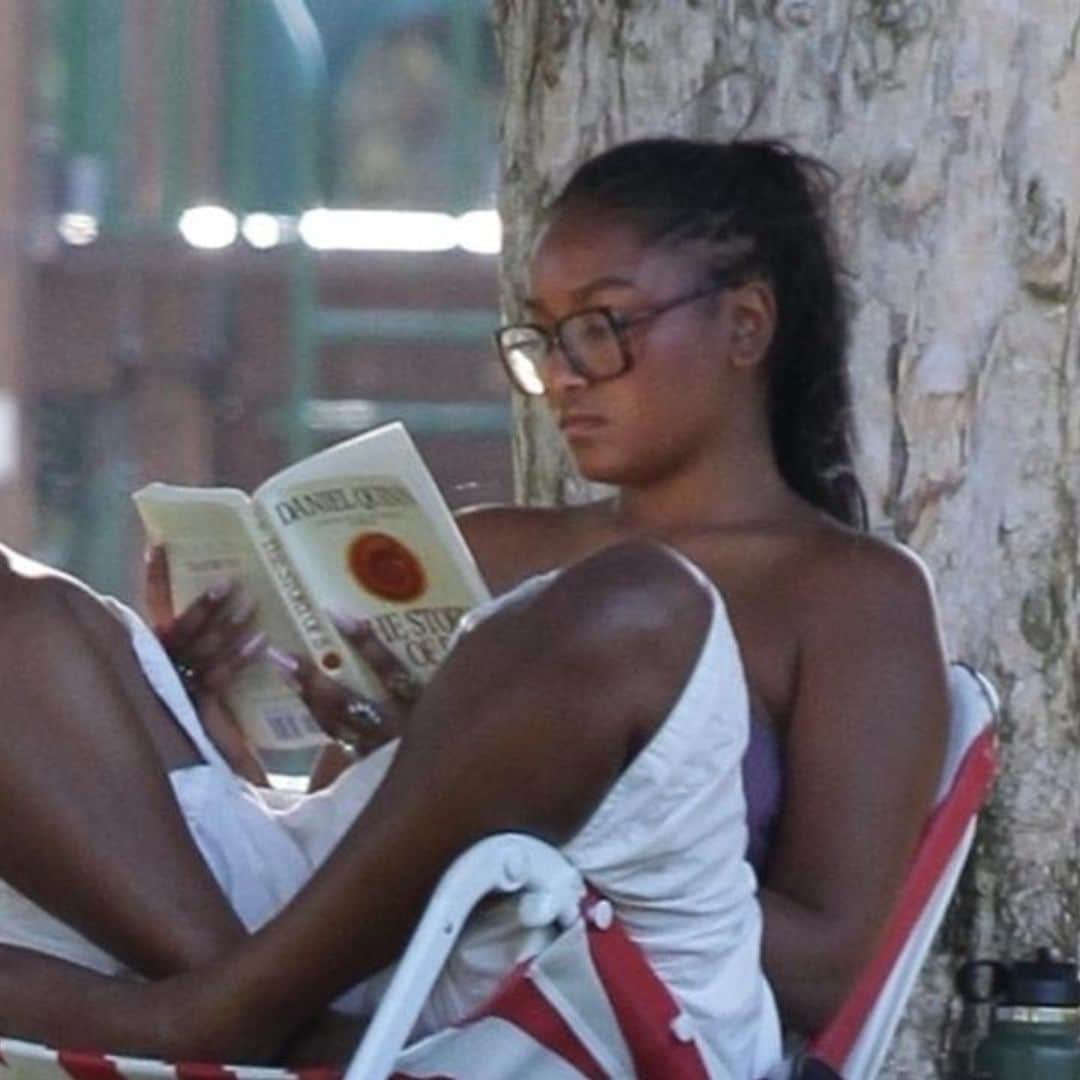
{"type": "Point", "coordinates": [955, 127]}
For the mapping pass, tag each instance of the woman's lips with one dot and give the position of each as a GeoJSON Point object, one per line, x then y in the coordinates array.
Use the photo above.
{"type": "Point", "coordinates": [574, 424]}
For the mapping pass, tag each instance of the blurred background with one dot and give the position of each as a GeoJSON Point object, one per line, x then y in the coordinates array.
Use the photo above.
{"type": "Point", "coordinates": [233, 231]}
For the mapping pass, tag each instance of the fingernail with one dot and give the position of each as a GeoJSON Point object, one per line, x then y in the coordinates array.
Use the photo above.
{"type": "Point", "coordinates": [292, 682]}
{"type": "Point", "coordinates": [244, 610]}
{"type": "Point", "coordinates": [348, 624]}
{"type": "Point", "coordinates": [283, 660]}
{"type": "Point", "coordinates": [253, 644]}
{"type": "Point", "coordinates": [219, 590]}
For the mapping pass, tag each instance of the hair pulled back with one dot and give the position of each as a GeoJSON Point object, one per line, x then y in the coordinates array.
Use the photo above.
{"type": "Point", "coordinates": [763, 209]}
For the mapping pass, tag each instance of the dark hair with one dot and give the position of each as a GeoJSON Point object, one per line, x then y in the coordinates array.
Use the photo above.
{"type": "Point", "coordinates": [764, 208]}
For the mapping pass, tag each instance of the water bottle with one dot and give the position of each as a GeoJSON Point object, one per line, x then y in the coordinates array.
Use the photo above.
{"type": "Point", "coordinates": [1035, 1025]}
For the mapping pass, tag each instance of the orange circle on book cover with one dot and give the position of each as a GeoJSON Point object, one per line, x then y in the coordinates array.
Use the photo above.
{"type": "Point", "coordinates": [386, 567]}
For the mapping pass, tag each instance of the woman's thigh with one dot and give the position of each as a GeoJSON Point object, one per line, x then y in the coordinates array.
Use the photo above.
{"type": "Point", "coordinates": [101, 843]}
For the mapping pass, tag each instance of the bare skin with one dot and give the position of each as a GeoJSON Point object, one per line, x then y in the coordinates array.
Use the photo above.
{"type": "Point", "coordinates": [480, 755]}
{"type": "Point", "coordinates": [838, 631]}
{"type": "Point", "coordinates": [839, 639]}
{"type": "Point", "coordinates": [828, 624]}
{"type": "Point", "coordinates": [76, 730]}
{"type": "Point", "coordinates": [216, 637]}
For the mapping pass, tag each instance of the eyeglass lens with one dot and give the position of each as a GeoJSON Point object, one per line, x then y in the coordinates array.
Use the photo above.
{"type": "Point", "coordinates": [589, 340]}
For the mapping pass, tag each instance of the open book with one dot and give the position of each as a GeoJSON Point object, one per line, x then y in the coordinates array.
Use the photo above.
{"type": "Point", "coordinates": [360, 529]}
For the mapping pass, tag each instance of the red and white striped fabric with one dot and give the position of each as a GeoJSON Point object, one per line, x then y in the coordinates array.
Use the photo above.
{"type": "Point", "coordinates": [29, 1061]}
{"type": "Point", "coordinates": [587, 1007]}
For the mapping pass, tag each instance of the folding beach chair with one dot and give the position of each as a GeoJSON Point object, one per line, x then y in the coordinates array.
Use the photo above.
{"type": "Point", "coordinates": [587, 1004]}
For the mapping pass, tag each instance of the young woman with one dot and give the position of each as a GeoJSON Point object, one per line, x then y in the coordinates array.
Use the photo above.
{"type": "Point", "coordinates": [685, 322]}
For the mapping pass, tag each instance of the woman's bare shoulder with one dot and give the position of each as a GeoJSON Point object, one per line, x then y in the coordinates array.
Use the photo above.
{"type": "Point", "coordinates": [511, 543]}
{"type": "Point", "coordinates": [868, 568]}
{"type": "Point", "coordinates": [861, 587]}
{"type": "Point", "coordinates": [500, 516]}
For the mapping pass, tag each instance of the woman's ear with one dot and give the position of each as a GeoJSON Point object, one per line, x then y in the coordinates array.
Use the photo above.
{"type": "Point", "coordinates": [752, 322]}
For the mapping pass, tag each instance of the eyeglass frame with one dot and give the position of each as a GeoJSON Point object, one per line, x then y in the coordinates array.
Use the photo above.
{"type": "Point", "coordinates": [618, 324]}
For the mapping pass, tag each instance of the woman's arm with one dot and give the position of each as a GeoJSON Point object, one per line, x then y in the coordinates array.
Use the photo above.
{"type": "Point", "coordinates": [486, 750]}
{"type": "Point", "coordinates": [863, 755]}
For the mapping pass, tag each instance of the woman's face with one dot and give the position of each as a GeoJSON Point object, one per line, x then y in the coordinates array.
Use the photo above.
{"type": "Point", "coordinates": [676, 401]}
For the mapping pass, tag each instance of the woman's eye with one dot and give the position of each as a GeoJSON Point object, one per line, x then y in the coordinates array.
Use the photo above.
{"type": "Point", "coordinates": [592, 325]}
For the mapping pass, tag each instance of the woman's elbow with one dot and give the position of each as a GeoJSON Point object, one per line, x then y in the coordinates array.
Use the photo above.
{"type": "Point", "coordinates": [808, 1005]}
{"type": "Point", "coordinates": [833, 982]}
{"type": "Point", "coordinates": [813, 958]}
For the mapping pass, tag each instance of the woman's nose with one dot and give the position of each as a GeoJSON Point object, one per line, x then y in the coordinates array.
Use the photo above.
{"type": "Point", "coordinates": [557, 372]}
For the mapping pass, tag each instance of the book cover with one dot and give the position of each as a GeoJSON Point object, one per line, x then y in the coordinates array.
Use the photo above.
{"type": "Point", "coordinates": [359, 528]}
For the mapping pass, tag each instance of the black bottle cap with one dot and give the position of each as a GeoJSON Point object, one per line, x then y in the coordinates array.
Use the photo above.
{"type": "Point", "coordinates": [1042, 981]}
{"type": "Point", "coordinates": [1039, 982]}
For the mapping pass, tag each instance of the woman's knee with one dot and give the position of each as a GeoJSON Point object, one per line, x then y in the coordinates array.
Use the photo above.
{"type": "Point", "coordinates": [619, 629]}
{"type": "Point", "coordinates": [633, 592]}
{"type": "Point", "coordinates": [633, 616]}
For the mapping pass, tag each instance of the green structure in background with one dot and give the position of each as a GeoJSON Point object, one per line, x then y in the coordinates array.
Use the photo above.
{"type": "Point", "coordinates": [92, 64]}
{"type": "Point", "coordinates": [283, 66]}
{"type": "Point", "coordinates": [277, 114]}
{"type": "Point", "coordinates": [277, 128]}
{"type": "Point", "coordinates": [274, 120]}
{"type": "Point", "coordinates": [288, 38]}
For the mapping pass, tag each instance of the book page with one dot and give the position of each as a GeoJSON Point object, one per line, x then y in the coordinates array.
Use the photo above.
{"type": "Point", "coordinates": [370, 534]}
{"type": "Point", "coordinates": [211, 535]}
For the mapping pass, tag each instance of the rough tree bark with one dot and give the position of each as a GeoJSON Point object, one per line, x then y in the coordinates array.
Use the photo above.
{"type": "Point", "coordinates": [955, 126]}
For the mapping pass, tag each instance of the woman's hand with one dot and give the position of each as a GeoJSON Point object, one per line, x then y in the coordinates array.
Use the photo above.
{"type": "Point", "coordinates": [362, 724]}
{"type": "Point", "coordinates": [210, 643]}
{"type": "Point", "coordinates": [358, 724]}
{"type": "Point", "coordinates": [213, 639]}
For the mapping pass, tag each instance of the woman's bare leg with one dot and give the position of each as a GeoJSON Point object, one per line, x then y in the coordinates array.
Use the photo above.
{"type": "Point", "coordinates": [525, 727]}
{"type": "Point", "coordinates": [100, 842]}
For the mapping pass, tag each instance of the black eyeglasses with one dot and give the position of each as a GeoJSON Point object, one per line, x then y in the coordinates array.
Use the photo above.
{"type": "Point", "coordinates": [591, 340]}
